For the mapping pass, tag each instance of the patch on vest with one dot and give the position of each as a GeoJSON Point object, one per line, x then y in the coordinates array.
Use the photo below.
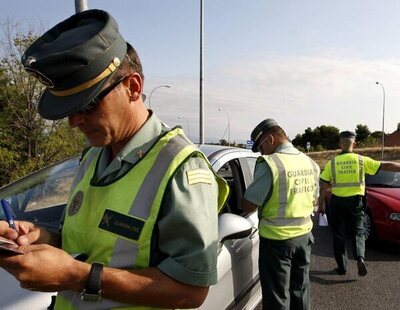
{"type": "Point", "coordinates": [198, 176]}
{"type": "Point", "coordinates": [121, 224]}
{"type": "Point", "coordinates": [75, 204]}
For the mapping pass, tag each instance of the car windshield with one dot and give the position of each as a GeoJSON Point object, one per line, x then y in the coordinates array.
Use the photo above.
{"type": "Point", "coordinates": [41, 196]}
{"type": "Point", "coordinates": [383, 179]}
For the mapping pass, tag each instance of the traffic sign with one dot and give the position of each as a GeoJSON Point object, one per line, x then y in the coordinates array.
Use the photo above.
{"type": "Point", "coordinates": [249, 144]}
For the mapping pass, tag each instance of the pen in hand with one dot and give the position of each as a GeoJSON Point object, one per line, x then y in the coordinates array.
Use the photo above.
{"type": "Point", "coordinates": [8, 213]}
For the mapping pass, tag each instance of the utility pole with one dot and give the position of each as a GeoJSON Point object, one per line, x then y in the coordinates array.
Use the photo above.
{"type": "Point", "coordinates": [201, 133]}
{"type": "Point", "coordinates": [383, 119]}
{"type": "Point", "coordinates": [81, 5]}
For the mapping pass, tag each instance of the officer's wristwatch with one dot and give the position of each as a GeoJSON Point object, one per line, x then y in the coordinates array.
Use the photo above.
{"type": "Point", "coordinates": [92, 290]}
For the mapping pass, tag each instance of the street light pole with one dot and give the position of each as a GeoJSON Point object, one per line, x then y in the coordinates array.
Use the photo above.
{"type": "Point", "coordinates": [383, 118]}
{"type": "Point", "coordinates": [201, 118]}
{"type": "Point", "coordinates": [188, 125]}
{"type": "Point", "coordinates": [168, 86]}
{"type": "Point", "coordinates": [229, 125]}
{"type": "Point", "coordinates": [80, 6]}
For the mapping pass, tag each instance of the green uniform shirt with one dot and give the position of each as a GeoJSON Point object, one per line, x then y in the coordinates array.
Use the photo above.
{"type": "Point", "coordinates": [187, 227]}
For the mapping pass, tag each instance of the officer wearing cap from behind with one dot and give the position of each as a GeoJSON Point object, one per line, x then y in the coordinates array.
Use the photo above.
{"type": "Point", "coordinates": [345, 174]}
{"type": "Point", "coordinates": [143, 205]}
{"type": "Point", "coordinates": [284, 190]}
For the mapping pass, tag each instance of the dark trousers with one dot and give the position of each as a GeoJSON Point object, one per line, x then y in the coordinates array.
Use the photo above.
{"type": "Point", "coordinates": [347, 216]}
{"type": "Point", "coordinates": [284, 272]}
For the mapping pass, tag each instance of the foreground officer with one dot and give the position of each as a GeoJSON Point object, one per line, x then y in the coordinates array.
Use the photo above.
{"type": "Point", "coordinates": [284, 190]}
{"type": "Point", "coordinates": [345, 174]}
{"type": "Point", "coordinates": [143, 205]}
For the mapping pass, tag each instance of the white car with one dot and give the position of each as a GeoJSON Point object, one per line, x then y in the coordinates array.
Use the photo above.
{"type": "Point", "coordinates": [41, 197]}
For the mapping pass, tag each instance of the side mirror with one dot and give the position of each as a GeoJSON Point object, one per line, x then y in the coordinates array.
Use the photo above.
{"type": "Point", "coordinates": [232, 226]}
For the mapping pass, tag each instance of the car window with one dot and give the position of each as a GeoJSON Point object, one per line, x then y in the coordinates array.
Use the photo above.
{"type": "Point", "coordinates": [232, 173]}
{"type": "Point", "coordinates": [383, 179]}
{"type": "Point", "coordinates": [41, 196]}
{"type": "Point", "coordinates": [252, 163]}
{"type": "Point", "coordinates": [248, 165]}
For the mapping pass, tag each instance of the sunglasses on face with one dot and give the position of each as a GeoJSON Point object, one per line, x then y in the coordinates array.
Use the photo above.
{"type": "Point", "coordinates": [92, 105]}
{"type": "Point", "coordinates": [261, 143]}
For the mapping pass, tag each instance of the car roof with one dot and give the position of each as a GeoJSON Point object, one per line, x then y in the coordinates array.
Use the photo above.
{"type": "Point", "coordinates": [213, 153]}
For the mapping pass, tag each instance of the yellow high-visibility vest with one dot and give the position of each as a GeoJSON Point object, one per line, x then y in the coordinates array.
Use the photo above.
{"type": "Point", "coordinates": [346, 173]}
{"type": "Point", "coordinates": [286, 214]}
{"type": "Point", "coordinates": [113, 223]}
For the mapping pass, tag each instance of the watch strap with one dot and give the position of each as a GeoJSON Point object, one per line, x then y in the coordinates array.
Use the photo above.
{"type": "Point", "coordinates": [92, 290]}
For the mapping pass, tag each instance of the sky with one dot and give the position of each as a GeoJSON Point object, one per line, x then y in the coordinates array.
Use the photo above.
{"type": "Point", "coordinates": [304, 63]}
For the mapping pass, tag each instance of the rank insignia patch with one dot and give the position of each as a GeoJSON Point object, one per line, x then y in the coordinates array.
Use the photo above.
{"type": "Point", "coordinates": [198, 176]}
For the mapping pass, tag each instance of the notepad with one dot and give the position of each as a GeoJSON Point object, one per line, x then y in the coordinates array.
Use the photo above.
{"type": "Point", "coordinates": [8, 246]}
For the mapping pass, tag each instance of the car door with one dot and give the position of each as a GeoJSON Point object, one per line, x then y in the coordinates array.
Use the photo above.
{"type": "Point", "coordinates": [39, 198]}
{"type": "Point", "coordinates": [238, 281]}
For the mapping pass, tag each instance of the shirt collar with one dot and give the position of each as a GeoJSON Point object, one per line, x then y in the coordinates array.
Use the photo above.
{"type": "Point", "coordinates": [283, 147]}
{"type": "Point", "coordinates": [143, 140]}
{"type": "Point", "coordinates": [137, 146]}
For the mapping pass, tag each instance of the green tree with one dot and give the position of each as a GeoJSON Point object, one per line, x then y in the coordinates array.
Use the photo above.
{"type": "Point", "coordinates": [375, 139]}
{"type": "Point", "coordinates": [362, 134]}
{"type": "Point", "coordinates": [377, 135]}
{"type": "Point", "coordinates": [223, 142]}
{"type": "Point", "coordinates": [309, 136]}
{"type": "Point", "coordinates": [298, 140]}
{"type": "Point", "coordinates": [325, 137]}
{"type": "Point", "coordinates": [28, 142]}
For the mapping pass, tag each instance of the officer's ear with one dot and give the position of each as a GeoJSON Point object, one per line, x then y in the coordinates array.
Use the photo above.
{"type": "Point", "coordinates": [272, 137]}
{"type": "Point", "coordinates": [135, 85]}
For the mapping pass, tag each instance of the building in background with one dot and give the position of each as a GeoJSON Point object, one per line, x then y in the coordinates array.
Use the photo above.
{"type": "Point", "coordinates": [393, 139]}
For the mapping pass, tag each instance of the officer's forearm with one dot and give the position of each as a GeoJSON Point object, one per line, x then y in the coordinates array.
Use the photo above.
{"type": "Point", "coordinates": [322, 196]}
{"type": "Point", "coordinates": [390, 166]}
{"type": "Point", "coordinates": [247, 205]}
{"type": "Point", "coordinates": [150, 287]}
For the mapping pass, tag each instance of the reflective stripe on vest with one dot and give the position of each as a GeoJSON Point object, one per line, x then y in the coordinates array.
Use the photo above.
{"type": "Point", "coordinates": [349, 184]}
{"type": "Point", "coordinates": [286, 214]}
{"type": "Point", "coordinates": [282, 186]}
{"type": "Point", "coordinates": [141, 206]}
{"type": "Point", "coordinates": [91, 155]}
{"type": "Point", "coordinates": [168, 153]}
{"type": "Point", "coordinates": [299, 221]}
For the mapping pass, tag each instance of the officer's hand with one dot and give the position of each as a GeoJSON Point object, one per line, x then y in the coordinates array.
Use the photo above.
{"type": "Point", "coordinates": [25, 233]}
{"type": "Point", "coordinates": [45, 268]}
{"type": "Point", "coordinates": [321, 209]}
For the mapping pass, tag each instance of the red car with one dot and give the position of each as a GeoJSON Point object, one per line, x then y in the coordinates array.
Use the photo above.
{"type": "Point", "coordinates": [383, 207]}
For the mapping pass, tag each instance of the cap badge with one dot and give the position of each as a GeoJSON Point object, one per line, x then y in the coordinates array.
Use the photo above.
{"type": "Point", "coordinates": [116, 61]}
{"type": "Point", "coordinates": [40, 77]}
{"type": "Point", "coordinates": [30, 60]}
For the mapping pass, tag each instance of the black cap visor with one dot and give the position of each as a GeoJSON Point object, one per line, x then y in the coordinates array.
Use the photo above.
{"type": "Point", "coordinates": [254, 148]}
{"type": "Point", "coordinates": [53, 107]}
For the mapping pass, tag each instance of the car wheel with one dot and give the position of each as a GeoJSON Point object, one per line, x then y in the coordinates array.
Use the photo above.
{"type": "Point", "coordinates": [369, 229]}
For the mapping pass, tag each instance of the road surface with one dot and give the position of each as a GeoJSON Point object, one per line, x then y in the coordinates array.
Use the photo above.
{"type": "Point", "coordinates": [380, 289]}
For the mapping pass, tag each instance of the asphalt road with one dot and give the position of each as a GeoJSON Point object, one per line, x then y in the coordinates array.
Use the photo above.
{"type": "Point", "coordinates": [380, 289]}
